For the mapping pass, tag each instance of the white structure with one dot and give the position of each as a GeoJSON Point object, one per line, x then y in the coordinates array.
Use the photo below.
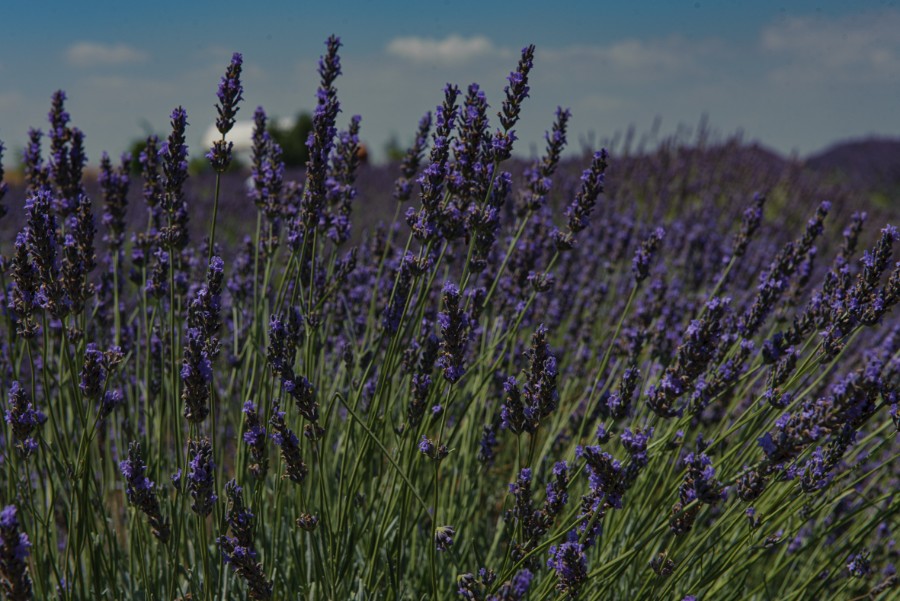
{"type": "Point", "coordinates": [241, 135]}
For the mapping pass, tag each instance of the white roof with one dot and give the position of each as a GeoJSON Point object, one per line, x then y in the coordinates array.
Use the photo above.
{"type": "Point", "coordinates": [241, 134]}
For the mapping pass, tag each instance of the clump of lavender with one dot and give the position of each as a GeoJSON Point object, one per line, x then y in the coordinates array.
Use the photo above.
{"type": "Point", "coordinates": [320, 143]}
{"type": "Point", "coordinates": [429, 449]}
{"type": "Point", "coordinates": [174, 165]}
{"type": "Point", "coordinates": [284, 338]}
{"type": "Point", "coordinates": [204, 312]}
{"type": "Point", "coordinates": [141, 491]}
{"type": "Point", "coordinates": [641, 262]}
{"type": "Point", "coordinates": [426, 222]}
{"type": "Point", "coordinates": [255, 437]}
{"type": "Point", "coordinates": [570, 565]}
{"type": "Point", "coordinates": [592, 185]}
{"type": "Point", "coordinates": [516, 93]}
{"type": "Point", "coordinates": [294, 467]}
{"type": "Point", "coordinates": [230, 94]}
{"type": "Point", "coordinates": [692, 357]}
{"type": "Point", "coordinates": [454, 334]}
{"type": "Point", "coordinates": [534, 523]}
{"type": "Point", "coordinates": [44, 248]}
{"type": "Point", "coordinates": [196, 375]}
{"type": "Point", "coordinates": [859, 565]}
{"type": "Point", "coordinates": [540, 173]}
{"type": "Point", "coordinates": [14, 550]}
{"type": "Point", "coordinates": [238, 550]}
{"type": "Point", "coordinates": [24, 419]}
{"type": "Point", "coordinates": [114, 182]}
{"type": "Point", "coordinates": [201, 477]}
{"type": "Point", "coordinates": [774, 281]}
{"type": "Point", "coordinates": [523, 410]}
{"type": "Point", "coordinates": [23, 294]}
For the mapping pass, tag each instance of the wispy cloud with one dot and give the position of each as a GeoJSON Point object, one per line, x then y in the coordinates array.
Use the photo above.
{"type": "Point", "coordinates": [647, 58]}
{"type": "Point", "coordinates": [631, 59]}
{"type": "Point", "coordinates": [94, 54]}
{"type": "Point", "coordinates": [855, 48]}
{"type": "Point", "coordinates": [452, 50]}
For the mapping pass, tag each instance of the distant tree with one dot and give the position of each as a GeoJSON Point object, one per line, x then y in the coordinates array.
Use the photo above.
{"type": "Point", "coordinates": [293, 139]}
{"type": "Point", "coordinates": [136, 147]}
{"type": "Point", "coordinates": [393, 150]}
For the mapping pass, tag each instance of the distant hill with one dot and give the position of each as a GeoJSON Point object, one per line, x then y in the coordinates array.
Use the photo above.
{"type": "Point", "coordinates": [871, 164]}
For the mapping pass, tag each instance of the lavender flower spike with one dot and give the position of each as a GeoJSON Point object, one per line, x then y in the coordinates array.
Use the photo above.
{"type": "Point", "coordinates": [230, 94]}
{"type": "Point", "coordinates": [238, 550]}
{"type": "Point", "coordinates": [24, 419]}
{"type": "Point", "coordinates": [141, 491]}
{"type": "Point", "coordinates": [570, 565]}
{"type": "Point", "coordinates": [201, 479]}
{"type": "Point", "coordinates": [14, 549]}
{"type": "Point", "coordinates": [443, 537]}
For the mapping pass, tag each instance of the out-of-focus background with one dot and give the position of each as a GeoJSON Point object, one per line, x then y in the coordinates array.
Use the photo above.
{"type": "Point", "coordinates": [804, 86]}
{"type": "Point", "coordinates": [797, 76]}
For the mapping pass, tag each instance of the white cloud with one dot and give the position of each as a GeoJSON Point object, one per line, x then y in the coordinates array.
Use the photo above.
{"type": "Point", "coordinates": [856, 48]}
{"type": "Point", "coordinates": [452, 50]}
{"type": "Point", "coordinates": [633, 56]}
{"type": "Point", "coordinates": [94, 54]}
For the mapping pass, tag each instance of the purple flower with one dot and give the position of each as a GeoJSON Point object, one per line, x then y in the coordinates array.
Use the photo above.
{"type": "Point", "coordinates": [230, 94]}
{"type": "Point", "coordinates": [93, 372]}
{"type": "Point", "coordinates": [141, 491]}
{"type": "Point", "coordinates": [579, 212]}
{"type": "Point", "coordinates": [111, 400]}
{"type": "Point", "coordinates": [859, 565]}
{"type": "Point", "coordinates": [24, 419]}
{"type": "Point", "coordinates": [643, 256]}
{"type": "Point", "coordinates": [196, 374]}
{"type": "Point", "coordinates": [636, 443]}
{"type": "Point", "coordinates": [570, 565]}
{"type": "Point", "coordinates": [238, 550]}
{"type": "Point", "coordinates": [295, 468]}
{"type": "Point", "coordinates": [443, 537]}
{"type": "Point", "coordinates": [488, 444]}
{"type": "Point", "coordinates": [514, 589]}
{"type": "Point", "coordinates": [539, 397]}
{"type": "Point", "coordinates": [320, 144]}
{"type": "Point", "coordinates": [173, 154]}
{"type": "Point", "coordinates": [454, 334]}
{"type": "Point", "coordinates": [201, 477]}
{"type": "Point", "coordinates": [114, 183]}
{"type": "Point", "coordinates": [700, 481]}
{"type": "Point", "coordinates": [517, 90]}
{"type": "Point", "coordinates": [219, 156]}
{"type": "Point", "coordinates": [428, 448]}
{"type": "Point", "coordinates": [14, 550]}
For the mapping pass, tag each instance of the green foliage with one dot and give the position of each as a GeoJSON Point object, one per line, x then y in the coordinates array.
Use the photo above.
{"type": "Point", "coordinates": [293, 139]}
{"type": "Point", "coordinates": [393, 150]}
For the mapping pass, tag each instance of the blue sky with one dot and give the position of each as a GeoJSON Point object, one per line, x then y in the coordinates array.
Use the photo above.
{"type": "Point", "coordinates": [795, 75]}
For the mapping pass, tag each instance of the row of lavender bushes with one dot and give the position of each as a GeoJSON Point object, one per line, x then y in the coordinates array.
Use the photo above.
{"type": "Point", "coordinates": [536, 386]}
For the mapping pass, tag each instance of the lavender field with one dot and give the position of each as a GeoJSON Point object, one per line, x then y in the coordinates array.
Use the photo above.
{"type": "Point", "coordinates": [665, 373]}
